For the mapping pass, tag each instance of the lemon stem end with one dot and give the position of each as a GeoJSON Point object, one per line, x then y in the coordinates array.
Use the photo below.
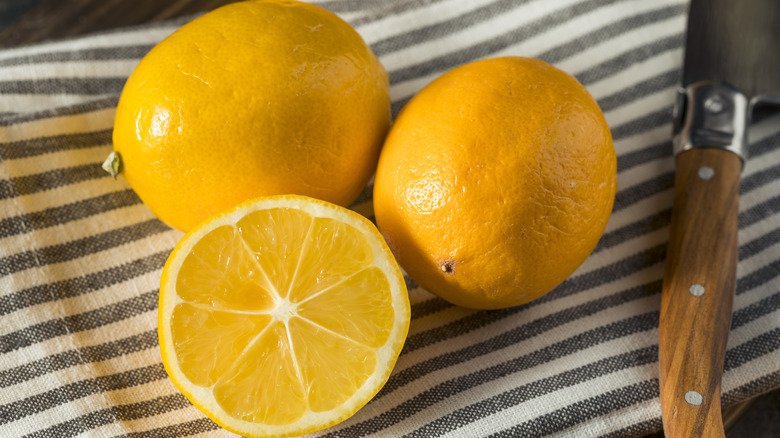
{"type": "Point", "coordinates": [113, 164]}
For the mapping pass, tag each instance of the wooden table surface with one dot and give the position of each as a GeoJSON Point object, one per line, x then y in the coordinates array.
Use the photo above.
{"type": "Point", "coordinates": [25, 22]}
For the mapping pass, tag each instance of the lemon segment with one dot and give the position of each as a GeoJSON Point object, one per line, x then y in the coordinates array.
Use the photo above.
{"type": "Point", "coordinates": [220, 272]}
{"type": "Point", "coordinates": [370, 315]}
{"type": "Point", "coordinates": [277, 397]}
{"type": "Point", "coordinates": [332, 367]}
{"type": "Point", "coordinates": [328, 237]}
{"type": "Point", "coordinates": [198, 335]}
{"type": "Point", "coordinates": [267, 235]}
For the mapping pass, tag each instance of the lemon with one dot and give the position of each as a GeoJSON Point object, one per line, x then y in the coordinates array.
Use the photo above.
{"type": "Point", "coordinates": [255, 98]}
{"type": "Point", "coordinates": [496, 182]}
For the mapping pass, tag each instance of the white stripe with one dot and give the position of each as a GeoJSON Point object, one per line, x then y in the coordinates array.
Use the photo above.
{"type": "Point", "coordinates": [86, 371]}
{"type": "Point", "coordinates": [537, 406]}
{"type": "Point", "coordinates": [474, 34]}
{"type": "Point", "coordinates": [642, 106]}
{"type": "Point", "coordinates": [53, 198]}
{"type": "Point", "coordinates": [756, 262]}
{"type": "Point", "coordinates": [351, 16]}
{"type": "Point", "coordinates": [737, 336]}
{"type": "Point", "coordinates": [77, 373]}
{"type": "Point", "coordinates": [759, 195]}
{"type": "Point", "coordinates": [89, 263]}
{"type": "Point", "coordinates": [616, 420]}
{"type": "Point", "coordinates": [643, 139]}
{"type": "Point", "coordinates": [640, 277]}
{"type": "Point", "coordinates": [644, 172]}
{"type": "Point", "coordinates": [438, 319]}
{"type": "Point", "coordinates": [89, 301]}
{"type": "Point", "coordinates": [761, 366]}
{"type": "Point", "coordinates": [128, 38]}
{"type": "Point", "coordinates": [547, 338]}
{"type": "Point", "coordinates": [549, 403]}
{"type": "Point", "coordinates": [550, 367]}
{"type": "Point", "coordinates": [759, 260]}
{"type": "Point", "coordinates": [96, 401]}
{"type": "Point", "coordinates": [531, 47]}
{"type": "Point", "coordinates": [626, 43]}
{"type": "Point", "coordinates": [592, 56]}
{"type": "Point", "coordinates": [74, 230]}
{"type": "Point", "coordinates": [623, 250]}
{"type": "Point", "coordinates": [757, 327]}
{"type": "Point", "coordinates": [169, 419]}
{"type": "Point", "coordinates": [69, 69]}
{"type": "Point", "coordinates": [40, 102]}
{"type": "Point", "coordinates": [637, 73]}
{"type": "Point", "coordinates": [96, 120]}
{"type": "Point", "coordinates": [430, 15]}
{"type": "Point", "coordinates": [555, 334]}
{"type": "Point", "coordinates": [643, 208]}
{"type": "Point", "coordinates": [57, 160]}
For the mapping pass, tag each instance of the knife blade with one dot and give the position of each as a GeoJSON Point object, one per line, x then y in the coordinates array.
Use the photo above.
{"type": "Point", "coordinates": [734, 42]}
{"type": "Point", "coordinates": [731, 65]}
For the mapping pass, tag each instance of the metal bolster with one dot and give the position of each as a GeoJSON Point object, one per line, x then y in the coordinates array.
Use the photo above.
{"type": "Point", "coordinates": [711, 115]}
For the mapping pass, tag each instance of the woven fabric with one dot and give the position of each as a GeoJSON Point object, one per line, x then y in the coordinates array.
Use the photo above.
{"type": "Point", "coordinates": [81, 256]}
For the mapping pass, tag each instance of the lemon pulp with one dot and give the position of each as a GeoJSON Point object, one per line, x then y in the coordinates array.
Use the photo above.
{"type": "Point", "coordinates": [280, 314]}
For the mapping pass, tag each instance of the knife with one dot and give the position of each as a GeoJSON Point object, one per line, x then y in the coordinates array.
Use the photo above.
{"type": "Point", "coordinates": [731, 65]}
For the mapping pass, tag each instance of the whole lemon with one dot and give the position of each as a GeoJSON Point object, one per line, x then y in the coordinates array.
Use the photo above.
{"type": "Point", "coordinates": [496, 182]}
{"type": "Point", "coordinates": [254, 98]}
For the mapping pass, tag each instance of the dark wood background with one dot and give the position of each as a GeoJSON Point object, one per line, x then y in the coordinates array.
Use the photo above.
{"type": "Point", "coordinates": [25, 22]}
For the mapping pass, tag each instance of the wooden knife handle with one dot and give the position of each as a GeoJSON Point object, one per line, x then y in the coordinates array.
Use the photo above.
{"type": "Point", "coordinates": [698, 291]}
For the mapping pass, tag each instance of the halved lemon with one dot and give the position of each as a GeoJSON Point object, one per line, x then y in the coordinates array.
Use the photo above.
{"type": "Point", "coordinates": [282, 316]}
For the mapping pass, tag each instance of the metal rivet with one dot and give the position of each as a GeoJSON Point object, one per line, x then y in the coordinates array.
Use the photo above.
{"type": "Point", "coordinates": [696, 290]}
{"type": "Point", "coordinates": [693, 398]}
{"type": "Point", "coordinates": [714, 104]}
{"type": "Point", "coordinates": [706, 172]}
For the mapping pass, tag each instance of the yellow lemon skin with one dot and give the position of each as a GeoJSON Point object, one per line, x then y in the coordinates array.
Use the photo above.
{"type": "Point", "coordinates": [496, 182]}
{"type": "Point", "coordinates": [255, 98]}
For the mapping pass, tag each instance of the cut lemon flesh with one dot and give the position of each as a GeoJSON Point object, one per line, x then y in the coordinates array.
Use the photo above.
{"type": "Point", "coordinates": [282, 316]}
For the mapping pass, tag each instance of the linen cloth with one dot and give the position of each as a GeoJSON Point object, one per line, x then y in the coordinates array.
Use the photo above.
{"type": "Point", "coordinates": [81, 256]}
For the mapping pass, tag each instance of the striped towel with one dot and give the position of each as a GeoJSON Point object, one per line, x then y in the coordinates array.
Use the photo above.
{"type": "Point", "coordinates": [81, 256]}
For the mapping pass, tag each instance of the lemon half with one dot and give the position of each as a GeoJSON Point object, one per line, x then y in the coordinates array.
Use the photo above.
{"type": "Point", "coordinates": [282, 316]}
